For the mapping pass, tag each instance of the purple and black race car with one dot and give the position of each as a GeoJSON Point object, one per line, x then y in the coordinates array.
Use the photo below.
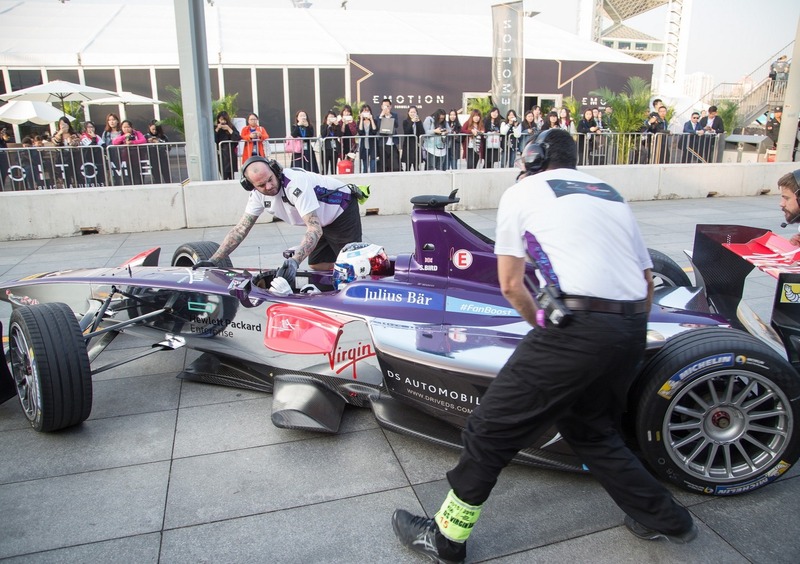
{"type": "Point", "coordinates": [714, 408]}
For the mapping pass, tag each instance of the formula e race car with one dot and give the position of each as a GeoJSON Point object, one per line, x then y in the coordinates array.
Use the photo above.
{"type": "Point", "coordinates": [714, 408]}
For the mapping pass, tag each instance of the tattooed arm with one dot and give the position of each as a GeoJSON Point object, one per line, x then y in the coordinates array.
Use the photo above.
{"type": "Point", "coordinates": [235, 236]}
{"type": "Point", "coordinates": [310, 239]}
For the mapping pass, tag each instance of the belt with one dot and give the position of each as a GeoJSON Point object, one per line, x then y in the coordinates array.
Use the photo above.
{"type": "Point", "coordinates": [599, 305]}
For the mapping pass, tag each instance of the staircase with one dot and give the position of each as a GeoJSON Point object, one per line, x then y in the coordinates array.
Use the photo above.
{"type": "Point", "coordinates": [752, 102]}
{"type": "Point", "coordinates": [755, 94]}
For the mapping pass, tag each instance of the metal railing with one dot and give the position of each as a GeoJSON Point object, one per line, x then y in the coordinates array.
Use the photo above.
{"type": "Point", "coordinates": [382, 153]}
{"type": "Point", "coordinates": [49, 167]}
{"type": "Point", "coordinates": [609, 148]}
{"type": "Point", "coordinates": [46, 168]}
{"type": "Point", "coordinates": [754, 94]}
{"type": "Point", "coordinates": [149, 163]}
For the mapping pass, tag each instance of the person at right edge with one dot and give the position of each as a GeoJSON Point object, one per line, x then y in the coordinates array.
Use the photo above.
{"type": "Point", "coordinates": [789, 185]}
{"type": "Point", "coordinates": [574, 375]}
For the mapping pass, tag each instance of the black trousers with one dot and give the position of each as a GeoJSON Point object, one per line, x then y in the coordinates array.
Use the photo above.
{"type": "Point", "coordinates": [575, 378]}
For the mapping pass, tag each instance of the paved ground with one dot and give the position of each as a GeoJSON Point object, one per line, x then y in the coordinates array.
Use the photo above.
{"type": "Point", "coordinates": [173, 471]}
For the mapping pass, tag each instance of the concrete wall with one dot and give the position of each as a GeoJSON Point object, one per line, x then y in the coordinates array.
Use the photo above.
{"type": "Point", "coordinates": [130, 209]}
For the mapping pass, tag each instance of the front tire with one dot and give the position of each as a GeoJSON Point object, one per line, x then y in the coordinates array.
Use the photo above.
{"type": "Point", "coordinates": [50, 366]}
{"type": "Point", "coordinates": [715, 414]}
{"type": "Point", "coordinates": [190, 254]}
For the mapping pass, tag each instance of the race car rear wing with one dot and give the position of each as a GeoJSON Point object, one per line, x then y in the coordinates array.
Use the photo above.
{"type": "Point", "coordinates": [724, 255]}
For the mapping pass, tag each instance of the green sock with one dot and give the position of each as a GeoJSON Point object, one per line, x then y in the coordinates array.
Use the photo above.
{"type": "Point", "coordinates": [456, 518]}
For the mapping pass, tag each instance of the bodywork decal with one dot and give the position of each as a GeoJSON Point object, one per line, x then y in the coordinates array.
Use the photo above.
{"type": "Point", "coordinates": [676, 381]}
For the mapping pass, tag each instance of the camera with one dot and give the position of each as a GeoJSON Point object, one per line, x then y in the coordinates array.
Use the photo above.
{"type": "Point", "coordinates": [131, 137]}
{"type": "Point", "coordinates": [549, 299]}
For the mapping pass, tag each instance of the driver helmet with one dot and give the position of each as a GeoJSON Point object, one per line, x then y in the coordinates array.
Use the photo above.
{"type": "Point", "coordinates": [357, 261]}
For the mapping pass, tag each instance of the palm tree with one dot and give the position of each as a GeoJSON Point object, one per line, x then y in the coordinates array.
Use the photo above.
{"type": "Point", "coordinates": [225, 104]}
{"type": "Point", "coordinates": [174, 105]}
{"type": "Point", "coordinates": [340, 103]}
{"type": "Point", "coordinates": [629, 110]}
{"type": "Point", "coordinates": [574, 107]}
{"type": "Point", "coordinates": [728, 110]}
{"type": "Point", "coordinates": [629, 106]}
{"type": "Point", "coordinates": [483, 105]}
{"type": "Point", "coordinates": [75, 109]}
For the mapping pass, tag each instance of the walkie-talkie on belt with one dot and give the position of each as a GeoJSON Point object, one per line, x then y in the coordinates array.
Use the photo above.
{"type": "Point", "coordinates": [548, 296]}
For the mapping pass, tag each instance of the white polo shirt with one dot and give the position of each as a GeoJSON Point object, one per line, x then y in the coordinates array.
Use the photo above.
{"type": "Point", "coordinates": [582, 226]}
{"type": "Point", "coordinates": [302, 193]}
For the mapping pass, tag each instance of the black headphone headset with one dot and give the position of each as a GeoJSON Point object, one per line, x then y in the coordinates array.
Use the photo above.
{"type": "Point", "coordinates": [536, 155]}
{"type": "Point", "coordinates": [273, 165]}
{"type": "Point", "coordinates": [795, 217]}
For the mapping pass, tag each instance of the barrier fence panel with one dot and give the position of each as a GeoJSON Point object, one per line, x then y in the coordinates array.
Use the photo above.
{"type": "Point", "coordinates": [228, 161]}
{"type": "Point", "coordinates": [44, 168]}
{"type": "Point", "coordinates": [646, 148]}
{"type": "Point", "coordinates": [148, 163]}
{"type": "Point", "coordinates": [47, 168]}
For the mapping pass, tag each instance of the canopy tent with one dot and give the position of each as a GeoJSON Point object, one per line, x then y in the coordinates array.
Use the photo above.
{"type": "Point", "coordinates": [23, 111]}
{"type": "Point", "coordinates": [125, 98]}
{"type": "Point", "coordinates": [57, 91]}
{"type": "Point", "coordinates": [142, 32]}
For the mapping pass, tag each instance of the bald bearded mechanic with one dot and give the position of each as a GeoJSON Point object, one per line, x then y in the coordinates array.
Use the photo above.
{"type": "Point", "coordinates": [326, 206]}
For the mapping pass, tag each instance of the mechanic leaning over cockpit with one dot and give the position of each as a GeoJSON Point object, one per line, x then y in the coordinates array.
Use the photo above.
{"type": "Point", "coordinates": [326, 206]}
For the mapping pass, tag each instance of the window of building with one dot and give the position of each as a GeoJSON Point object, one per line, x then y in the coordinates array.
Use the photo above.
{"type": "Point", "coordinates": [238, 81]}
{"type": "Point", "coordinates": [271, 104]}
{"type": "Point", "coordinates": [138, 82]}
{"type": "Point", "coordinates": [70, 75]}
{"type": "Point", "coordinates": [301, 95]}
{"type": "Point", "coordinates": [24, 78]}
{"type": "Point", "coordinates": [331, 87]}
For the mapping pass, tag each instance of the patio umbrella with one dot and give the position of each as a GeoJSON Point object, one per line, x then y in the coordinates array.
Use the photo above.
{"type": "Point", "coordinates": [58, 90]}
{"type": "Point", "coordinates": [21, 111]}
{"type": "Point", "coordinates": [124, 97]}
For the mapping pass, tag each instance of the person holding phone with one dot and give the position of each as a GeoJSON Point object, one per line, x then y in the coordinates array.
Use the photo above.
{"type": "Point", "coordinates": [331, 135]}
{"type": "Point", "coordinates": [368, 146]}
{"type": "Point", "coordinates": [349, 130]}
{"type": "Point", "coordinates": [389, 153]}
{"type": "Point", "coordinates": [511, 131]}
{"type": "Point", "coordinates": [307, 158]}
{"type": "Point", "coordinates": [253, 136]}
{"type": "Point", "coordinates": [226, 136]}
{"type": "Point", "coordinates": [412, 129]}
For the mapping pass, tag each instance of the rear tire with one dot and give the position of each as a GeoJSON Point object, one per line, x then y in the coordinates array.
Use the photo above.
{"type": "Point", "coordinates": [50, 366]}
{"type": "Point", "coordinates": [190, 254]}
{"type": "Point", "coordinates": [666, 272]}
{"type": "Point", "coordinates": [715, 414]}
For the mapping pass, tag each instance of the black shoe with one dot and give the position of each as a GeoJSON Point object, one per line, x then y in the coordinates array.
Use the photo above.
{"type": "Point", "coordinates": [422, 535]}
{"type": "Point", "coordinates": [649, 534]}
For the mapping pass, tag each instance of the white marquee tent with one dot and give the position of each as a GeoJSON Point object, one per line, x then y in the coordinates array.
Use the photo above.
{"type": "Point", "coordinates": [102, 33]}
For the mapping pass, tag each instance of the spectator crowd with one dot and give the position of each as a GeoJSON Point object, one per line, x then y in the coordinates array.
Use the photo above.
{"type": "Point", "coordinates": [364, 140]}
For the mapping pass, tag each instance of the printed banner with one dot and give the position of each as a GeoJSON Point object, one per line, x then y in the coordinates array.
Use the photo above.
{"type": "Point", "coordinates": [508, 62]}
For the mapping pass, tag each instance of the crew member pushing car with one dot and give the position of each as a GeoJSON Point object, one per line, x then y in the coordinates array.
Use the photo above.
{"type": "Point", "coordinates": [574, 374]}
{"type": "Point", "coordinates": [326, 206]}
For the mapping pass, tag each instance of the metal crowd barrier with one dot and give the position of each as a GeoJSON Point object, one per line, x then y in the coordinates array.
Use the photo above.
{"type": "Point", "coordinates": [48, 167]}
{"type": "Point", "coordinates": [44, 168]}
{"type": "Point", "coordinates": [375, 153]}
{"type": "Point", "coordinates": [647, 148]}
{"type": "Point", "coordinates": [149, 163]}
